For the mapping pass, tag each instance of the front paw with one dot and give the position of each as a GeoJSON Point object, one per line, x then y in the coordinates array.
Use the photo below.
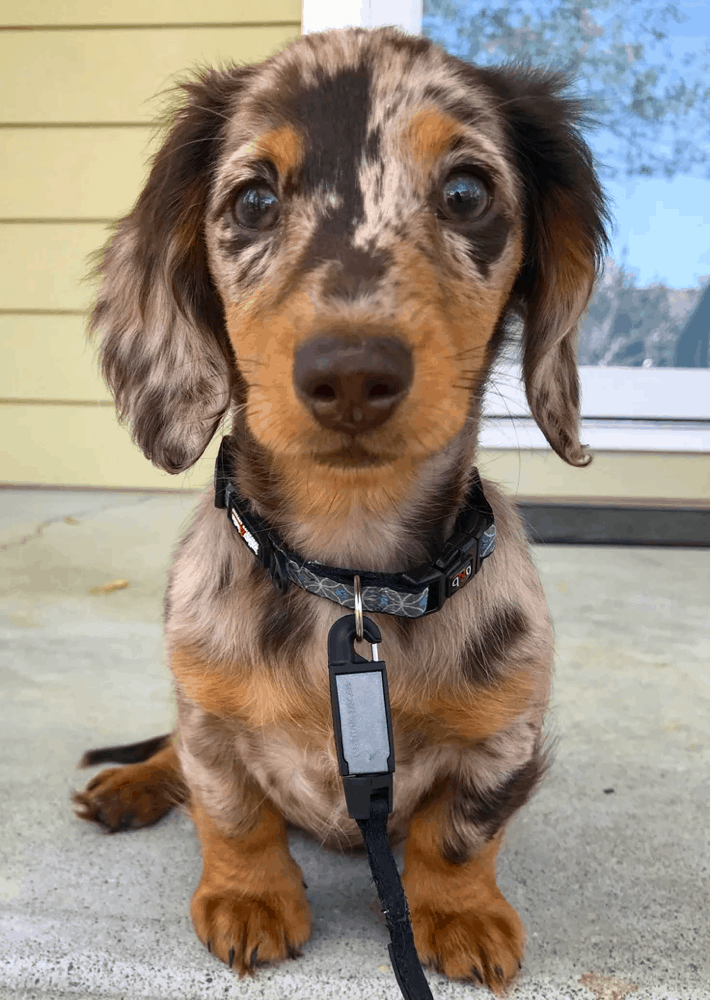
{"type": "Point", "coordinates": [126, 798]}
{"type": "Point", "coordinates": [245, 931]}
{"type": "Point", "coordinates": [484, 946]}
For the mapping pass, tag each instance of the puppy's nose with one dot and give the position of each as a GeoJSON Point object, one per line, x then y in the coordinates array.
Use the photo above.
{"type": "Point", "coordinates": [351, 384]}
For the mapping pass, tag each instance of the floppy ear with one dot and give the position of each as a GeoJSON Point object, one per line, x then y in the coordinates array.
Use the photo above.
{"type": "Point", "coordinates": [164, 350]}
{"type": "Point", "coordinates": [564, 243]}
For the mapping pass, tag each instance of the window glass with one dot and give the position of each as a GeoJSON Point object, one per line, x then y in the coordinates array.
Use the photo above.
{"type": "Point", "coordinates": [643, 67]}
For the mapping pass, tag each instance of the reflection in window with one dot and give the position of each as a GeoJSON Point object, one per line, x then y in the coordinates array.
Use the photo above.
{"type": "Point", "coordinates": [644, 69]}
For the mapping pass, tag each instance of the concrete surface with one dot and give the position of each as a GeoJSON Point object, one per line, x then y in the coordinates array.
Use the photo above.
{"type": "Point", "coordinates": [607, 866]}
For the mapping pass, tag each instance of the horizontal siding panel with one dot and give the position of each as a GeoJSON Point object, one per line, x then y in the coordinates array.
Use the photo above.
{"type": "Point", "coordinates": [84, 445]}
{"type": "Point", "coordinates": [69, 12]}
{"type": "Point", "coordinates": [72, 173]}
{"type": "Point", "coordinates": [42, 265]}
{"type": "Point", "coordinates": [611, 474]}
{"type": "Point", "coordinates": [106, 76]}
{"type": "Point", "coordinates": [48, 358]}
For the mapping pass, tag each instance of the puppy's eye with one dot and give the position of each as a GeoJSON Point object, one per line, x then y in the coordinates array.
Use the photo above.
{"type": "Point", "coordinates": [465, 197]}
{"type": "Point", "coordinates": [256, 207]}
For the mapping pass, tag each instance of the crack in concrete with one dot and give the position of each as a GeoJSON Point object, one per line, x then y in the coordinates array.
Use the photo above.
{"type": "Point", "coordinates": [77, 517]}
{"type": "Point", "coordinates": [37, 533]}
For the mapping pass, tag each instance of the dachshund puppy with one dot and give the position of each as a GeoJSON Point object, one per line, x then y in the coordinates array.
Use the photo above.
{"type": "Point", "coordinates": [327, 251]}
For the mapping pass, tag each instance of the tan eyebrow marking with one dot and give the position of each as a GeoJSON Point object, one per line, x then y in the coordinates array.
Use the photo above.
{"type": "Point", "coordinates": [283, 146]}
{"type": "Point", "coordinates": [430, 133]}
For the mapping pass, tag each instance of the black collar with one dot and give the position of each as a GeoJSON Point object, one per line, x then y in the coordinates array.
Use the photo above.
{"type": "Point", "coordinates": [418, 592]}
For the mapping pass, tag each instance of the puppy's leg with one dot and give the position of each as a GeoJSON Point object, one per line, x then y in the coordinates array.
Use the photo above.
{"type": "Point", "coordinates": [463, 926]}
{"type": "Point", "coordinates": [250, 905]}
{"type": "Point", "coordinates": [136, 795]}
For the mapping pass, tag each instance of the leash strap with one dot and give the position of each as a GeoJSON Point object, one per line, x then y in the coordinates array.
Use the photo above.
{"type": "Point", "coordinates": [403, 954]}
{"type": "Point", "coordinates": [362, 726]}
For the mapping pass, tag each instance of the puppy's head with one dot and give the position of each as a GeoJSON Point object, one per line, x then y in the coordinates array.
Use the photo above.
{"type": "Point", "coordinates": [333, 241]}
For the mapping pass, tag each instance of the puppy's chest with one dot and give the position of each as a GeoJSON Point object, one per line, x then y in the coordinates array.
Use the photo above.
{"type": "Point", "coordinates": [295, 706]}
{"type": "Point", "coordinates": [281, 721]}
{"type": "Point", "coordinates": [279, 724]}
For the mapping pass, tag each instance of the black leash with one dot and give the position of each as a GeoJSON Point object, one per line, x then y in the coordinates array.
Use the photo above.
{"type": "Point", "coordinates": [403, 954]}
{"type": "Point", "coordinates": [364, 742]}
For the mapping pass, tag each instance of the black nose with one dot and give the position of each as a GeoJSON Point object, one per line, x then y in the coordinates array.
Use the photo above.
{"type": "Point", "coordinates": [352, 384]}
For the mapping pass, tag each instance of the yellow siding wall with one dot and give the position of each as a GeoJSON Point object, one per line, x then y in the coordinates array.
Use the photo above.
{"type": "Point", "coordinates": [82, 81]}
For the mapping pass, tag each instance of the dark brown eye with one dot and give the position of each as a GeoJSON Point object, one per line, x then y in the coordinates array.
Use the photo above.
{"type": "Point", "coordinates": [256, 207]}
{"type": "Point", "coordinates": [465, 197]}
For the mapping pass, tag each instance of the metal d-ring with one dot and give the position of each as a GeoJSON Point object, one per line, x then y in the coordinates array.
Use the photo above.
{"type": "Point", "coordinates": [358, 608]}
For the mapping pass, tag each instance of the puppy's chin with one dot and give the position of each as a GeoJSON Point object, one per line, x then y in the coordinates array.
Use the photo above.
{"type": "Point", "coordinates": [352, 456]}
{"type": "Point", "coordinates": [367, 453]}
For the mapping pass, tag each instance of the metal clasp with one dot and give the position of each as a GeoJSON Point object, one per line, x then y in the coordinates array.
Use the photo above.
{"type": "Point", "coordinates": [358, 609]}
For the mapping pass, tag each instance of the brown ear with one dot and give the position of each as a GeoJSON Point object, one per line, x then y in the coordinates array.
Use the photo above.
{"type": "Point", "coordinates": [164, 350]}
{"type": "Point", "coordinates": [564, 243]}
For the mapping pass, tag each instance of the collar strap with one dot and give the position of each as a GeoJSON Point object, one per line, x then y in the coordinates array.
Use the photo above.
{"type": "Point", "coordinates": [417, 592]}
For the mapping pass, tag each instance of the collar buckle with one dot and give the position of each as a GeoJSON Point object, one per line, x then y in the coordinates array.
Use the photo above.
{"type": "Point", "coordinates": [461, 559]}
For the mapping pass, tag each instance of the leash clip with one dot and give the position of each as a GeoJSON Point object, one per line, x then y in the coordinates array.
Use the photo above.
{"type": "Point", "coordinates": [361, 717]}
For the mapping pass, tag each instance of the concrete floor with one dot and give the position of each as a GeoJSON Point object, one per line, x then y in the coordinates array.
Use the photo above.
{"type": "Point", "coordinates": [607, 866]}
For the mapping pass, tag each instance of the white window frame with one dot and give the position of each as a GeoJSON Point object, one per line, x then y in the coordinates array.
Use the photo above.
{"type": "Point", "coordinates": [623, 409]}
{"type": "Point", "coordinates": [318, 15]}
{"type": "Point", "coordinates": [628, 409]}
